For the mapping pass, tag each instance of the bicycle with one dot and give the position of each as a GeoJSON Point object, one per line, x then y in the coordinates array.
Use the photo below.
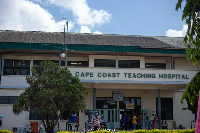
{"type": "Point", "coordinates": [27, 129]}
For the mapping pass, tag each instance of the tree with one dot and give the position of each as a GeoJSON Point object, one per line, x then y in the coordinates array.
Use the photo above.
{"type": "Point", "coordinates": [52, 91]}
{"type": "Point", "coordinates": [191, 93]}
{"type": "Point", "coordinates": [191, 13]}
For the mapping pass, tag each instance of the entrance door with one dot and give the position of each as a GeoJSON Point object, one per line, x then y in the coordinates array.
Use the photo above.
{"type": "Point", "coordinates": [111, 116]}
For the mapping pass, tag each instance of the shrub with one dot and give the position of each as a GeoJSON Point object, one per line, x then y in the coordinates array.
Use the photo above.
{"type": "Point", "coordinates": [142, 131]}
{"type": "Point", "coordinates": [5, 131]}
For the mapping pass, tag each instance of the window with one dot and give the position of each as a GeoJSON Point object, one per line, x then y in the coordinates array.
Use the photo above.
{"type": "Point", "coordinates": [129, 63]}
{"type": "Point", "coordinates": [76, 63]}
{"type": "Point", "coordinates": [8, 99]}
{"type": "Point", "coordinates": [16, 67]}
{"type": "Point", "coordinates": [155, 65]}
{"type": "Point", "coordinates": [135, 100]}
{"type": "Point", "coordinates": [108, 103]}
{"type": "Point", "coordinates": [104, 63]}
{"type": "Point", "coordinates": [69, 63]}
{"type": "Point", "coordinates": [166, 108]}
{"type": "Point", "coordinates": [37, 62]}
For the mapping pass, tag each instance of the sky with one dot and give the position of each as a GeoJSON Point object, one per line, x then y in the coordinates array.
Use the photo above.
{"type": "Point", "coordinates": [123, 17]}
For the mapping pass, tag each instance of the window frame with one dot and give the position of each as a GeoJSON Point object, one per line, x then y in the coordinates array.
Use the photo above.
{"type": "Point", "coordinates": [16, 70]}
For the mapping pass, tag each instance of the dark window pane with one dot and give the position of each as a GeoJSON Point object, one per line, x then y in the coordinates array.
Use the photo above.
{"type": "Point", "coordinates": [155, 65]}
{"type": "Point", "coordinates": [16, 67]}
{"type": "Point", "coordinates": [25, 71]}
{"type": "Point", "coordinates": [100, 102]}
{"type": "Point", "coordinates": [99, 63]}
{"type": "Point", "coordinates": [104, 63]}
{"type": "Point", "coordinates": [134, 64]}
{"type": "Point", "coordinates": [110, 63]}
{"type": "Point", "coordinates": [4, 100]}
{"type": "Point", "coordinates": [16, 63]}
{"type": "Point", "coordinates": [55, 61]}
{"type": "Point", "coordinates": [37, 62]}
{"type": "Point", "coordinates": [8, 99]}
{"type": "Point", "coordinates": [12, 99]}
{"type": "Point", "coordinates": [25, 63]}
{"type": "Point", "coordinates": [8, 63]}
{"type": "Point", "coordinates": [78, 63]}
{"type": "Point", "coordinates": [129, 63]}
{"type": "Point", "coordinates": [7, 71]}
{"type": "Point", "coordinates": [166, 108]}
{"type": "Point", "coordinates": [17, 71]}
{"type": "Point", "coordinates": [8, 66]}
{"type": "Point", "coordinates": [123, 64]}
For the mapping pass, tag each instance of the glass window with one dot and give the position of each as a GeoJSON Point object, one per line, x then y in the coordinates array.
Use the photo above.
{"type": "Point", "coordinates": [129, 63]}
{"type": "Point", "coordinates": [166, 108]}
{"type": "Point", "coordinates": [8, 99]}
{"type": "Point", "coordinates": [155, 65]}
{"type": "Point", "coordinates": [108, 103]}
{"type": "Point", "coordinates": [8, 66]}
{"type": "Point", "coordinates": [78, 63]}
{"type": "Point", "coordinates": [104, 63]}
{"type": "Point", "coordinates": [37, 62]}
{"type": "Point", "coordinates": [16, 67]}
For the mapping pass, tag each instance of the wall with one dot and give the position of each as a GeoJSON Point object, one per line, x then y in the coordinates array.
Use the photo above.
{"type": "Point", "coordinates": [184, 64]}
{"type": "Point", "coordinates": [181, 116]}
{"type": "Point", "coordinates": [9, 118]}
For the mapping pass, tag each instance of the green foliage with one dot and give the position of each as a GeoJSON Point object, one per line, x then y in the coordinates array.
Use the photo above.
{"type": "Point", "coordinates": [5, 131]}
{"type": "Point", "coordinates": [191, 94]}
{"type": "Point", "coordinates": [142, 131]}
{"type": "Point", "coordinates": [52, 91]}
{"type": "Point", "coordinates": [191, 13]}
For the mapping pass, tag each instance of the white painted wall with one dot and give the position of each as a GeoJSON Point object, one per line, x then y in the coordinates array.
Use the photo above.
{"type": "Point", "coordinates": [184, 64]}
{"type": "Point", "coordinates": [181, 116]}
{"type": "Point", "coordinates": [11, 120]}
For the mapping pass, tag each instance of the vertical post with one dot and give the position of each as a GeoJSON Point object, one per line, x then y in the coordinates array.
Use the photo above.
{"type": "Point", "coordinates": [94, 99]}
{"type": "Point", "coordinates": [66, 45]}
{"type": "Point", "coordinates": [117, 61]}
{"type": "Point", "coordinates": [159, 109]}
{"type": "Point", "coordinates": [0, 66]}
{"type": "Point", "coordinates": [172, 63]}
{"type": "Point", "coordinates": [59, 60]}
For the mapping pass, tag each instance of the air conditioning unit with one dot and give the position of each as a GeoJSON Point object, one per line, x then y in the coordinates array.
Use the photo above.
{"type": "Point", "coordinates": [18, 129]}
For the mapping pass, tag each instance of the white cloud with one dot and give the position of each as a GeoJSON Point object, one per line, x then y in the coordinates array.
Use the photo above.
{"type": "Point", "coordinates": [85, 29]}
{"type": "Point", "coordinates": [98, 32]}
{"type": "Point", "coordinates": [25, 15]}
{"type": "Point", "coordinates": [82, 12]}
{"type": "Point", "coordinates": [175, 33]}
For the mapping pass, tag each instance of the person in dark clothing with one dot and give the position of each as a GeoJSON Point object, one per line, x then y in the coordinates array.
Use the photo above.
{"type": "Point", "coordinates": [96, 121]}
{"type": "Point", "coordinates": [124, 121]}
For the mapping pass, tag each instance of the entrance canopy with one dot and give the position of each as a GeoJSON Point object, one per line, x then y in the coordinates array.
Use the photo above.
{"type": "Point", "coordinates": [109, 78]}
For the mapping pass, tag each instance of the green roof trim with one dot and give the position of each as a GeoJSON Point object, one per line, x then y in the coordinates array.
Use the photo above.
{"type": "Point", "coordinates": [84, 47]}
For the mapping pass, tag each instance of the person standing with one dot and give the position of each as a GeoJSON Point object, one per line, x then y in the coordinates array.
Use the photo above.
{"type": "Point", "coordinates": [148, 123]}
{"type": "Point", "coordinates": [134, 121]}
{"type": "Point", "coordinates": [1, 120]}
{"type": "Point", "coordinates": [139, 121]}
{"type": "Point", "coordinates": [96, 121]}
{"type": "Point", "coordinates": [124, 121]}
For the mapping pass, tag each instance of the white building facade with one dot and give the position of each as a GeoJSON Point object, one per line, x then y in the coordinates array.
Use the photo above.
{"type": "Point", "coordinates": [131, 74]}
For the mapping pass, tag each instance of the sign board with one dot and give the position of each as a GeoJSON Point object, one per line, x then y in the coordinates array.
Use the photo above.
{"type": "Point", "coordinates": [132, 74]}
{"type": "Point", "coordinates": [118, 96]}
{"type": "Point", "coordinates": [129, 106]}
